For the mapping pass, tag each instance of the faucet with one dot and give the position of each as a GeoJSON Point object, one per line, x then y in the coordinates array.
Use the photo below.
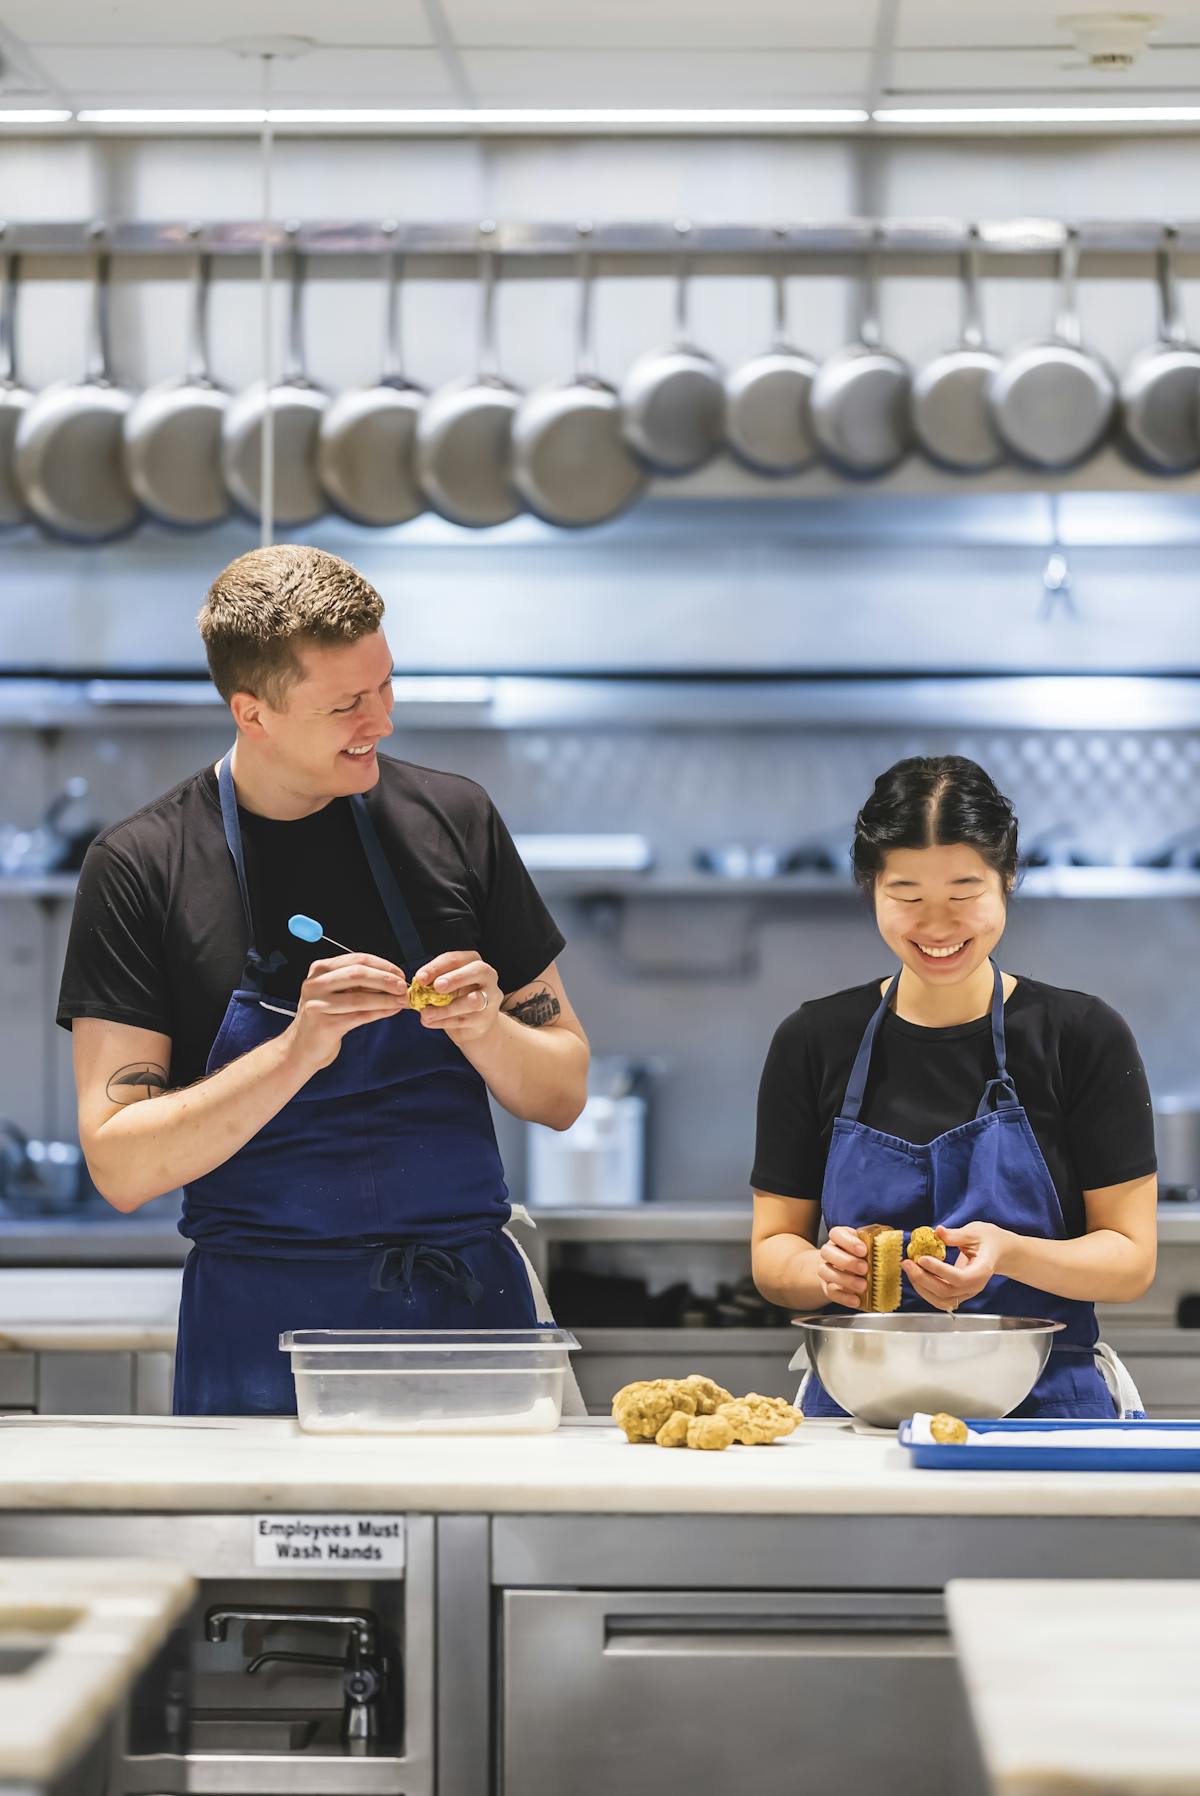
{"type": "Point", "coordinates": [362, 1668]}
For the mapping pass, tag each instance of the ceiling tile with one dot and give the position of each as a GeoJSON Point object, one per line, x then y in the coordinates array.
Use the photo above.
{"type": "Point", "coordinates": [153, 22]}
{"type": "Point", "coordinates": [672, 25]}
{"type": "Point", "coordinates": [1029, 24]}
{"type": "Point", "coordinates": [161, 77]}
{"type": "Point", "coordinates": [660, 78]}
{"type": "Point", "coordinates": [974, 74]}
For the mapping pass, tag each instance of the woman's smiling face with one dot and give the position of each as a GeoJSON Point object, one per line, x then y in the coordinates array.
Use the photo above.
{"type": "Point", "coordinates": [940, 910]}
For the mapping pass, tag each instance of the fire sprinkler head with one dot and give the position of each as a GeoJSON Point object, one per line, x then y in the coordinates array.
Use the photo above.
{"type": "Point", "coordinates": [1110, 40]}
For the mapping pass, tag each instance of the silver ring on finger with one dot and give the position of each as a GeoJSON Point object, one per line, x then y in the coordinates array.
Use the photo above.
{"type": "Point", "coordinates": [484, 1005]}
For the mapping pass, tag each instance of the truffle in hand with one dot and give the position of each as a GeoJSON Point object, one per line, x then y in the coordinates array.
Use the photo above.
{"type": "Point", "coordinates": [925, 1244]}
{"type": "Point", "coordinates": [420, 997]}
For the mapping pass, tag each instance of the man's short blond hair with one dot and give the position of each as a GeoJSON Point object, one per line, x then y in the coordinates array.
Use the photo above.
{"type": "Point", "coordinates": [265, 606]}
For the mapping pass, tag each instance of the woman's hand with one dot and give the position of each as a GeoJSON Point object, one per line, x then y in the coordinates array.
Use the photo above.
{"type": "Point", "coordinates": [477, 995]}
{"type": "Point", "coordinates": [980, 1246]}
{"type": "Point", "coordinates": [842, 1268]}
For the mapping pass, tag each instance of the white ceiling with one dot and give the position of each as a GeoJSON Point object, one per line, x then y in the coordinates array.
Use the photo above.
{"type": "Point", "coordinates": [580, 53]}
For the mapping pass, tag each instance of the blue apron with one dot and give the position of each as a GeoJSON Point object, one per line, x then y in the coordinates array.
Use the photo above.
{"type": "Point", "coordinates": [990, 1169]}
{"type": "Point", "coordinates": [374, 1199]}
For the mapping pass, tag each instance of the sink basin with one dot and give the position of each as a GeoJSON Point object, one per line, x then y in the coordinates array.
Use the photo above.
{"type": "Point", "coordinates": [15, 1659]}
{"type": "Point", "coordinates": [256, 1731]}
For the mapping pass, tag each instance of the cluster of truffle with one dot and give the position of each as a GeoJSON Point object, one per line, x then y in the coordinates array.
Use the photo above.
{"type": "Point", "coordinates": [697, 1412]}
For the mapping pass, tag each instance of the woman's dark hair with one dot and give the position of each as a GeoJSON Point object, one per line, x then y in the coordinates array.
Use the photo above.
{"type": "Point", "coordinates": [935, 801]}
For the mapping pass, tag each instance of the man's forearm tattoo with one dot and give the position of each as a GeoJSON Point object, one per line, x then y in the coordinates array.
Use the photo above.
{"type": "Point", "coordinates": [144, 1079]}
{"type": "Point", "coordinates": [537, 1010]}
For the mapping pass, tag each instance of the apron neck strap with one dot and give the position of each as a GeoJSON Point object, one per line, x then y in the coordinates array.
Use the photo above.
{"type": "Point", "coordinates": [999, 1091]}
{"type": "Point", "coordinates": [412, 953]}
{"type": "Point", "coordinates": [256, 966]}
{"type": "Point", "coordinates": [856, 1089]}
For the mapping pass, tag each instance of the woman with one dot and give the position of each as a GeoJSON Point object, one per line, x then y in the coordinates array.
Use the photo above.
{"type": "Point", "coordinates": [1014, 1116]}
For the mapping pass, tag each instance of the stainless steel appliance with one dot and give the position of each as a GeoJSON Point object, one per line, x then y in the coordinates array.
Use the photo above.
{"type": "Point", "coordinates": [600, 1161]}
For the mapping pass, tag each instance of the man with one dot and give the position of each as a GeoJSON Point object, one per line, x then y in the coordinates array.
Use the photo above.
{"type": "Point", "coordinates": [334, 1144]}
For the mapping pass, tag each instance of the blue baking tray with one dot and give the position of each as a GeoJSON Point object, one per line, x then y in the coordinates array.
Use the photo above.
{"type": "Point", "coordinates": [1132, 1458]}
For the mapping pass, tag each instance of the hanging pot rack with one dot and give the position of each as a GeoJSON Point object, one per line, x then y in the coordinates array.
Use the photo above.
{"type": "Point", "coordinates": [907, 237]}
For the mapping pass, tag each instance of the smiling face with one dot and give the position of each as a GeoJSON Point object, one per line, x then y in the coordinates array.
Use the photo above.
{"type": "Point", "coordinates": [940, 910]}
{"type": "Point", "coordinates": [320, 743]}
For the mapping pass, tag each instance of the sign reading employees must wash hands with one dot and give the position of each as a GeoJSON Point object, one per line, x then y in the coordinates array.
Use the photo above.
{"type": "Point", "coordinates": [336, 1541]}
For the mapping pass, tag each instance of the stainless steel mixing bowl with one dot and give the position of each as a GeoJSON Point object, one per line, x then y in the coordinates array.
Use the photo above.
{"type": "Point", "coordinates": [884, 1368]}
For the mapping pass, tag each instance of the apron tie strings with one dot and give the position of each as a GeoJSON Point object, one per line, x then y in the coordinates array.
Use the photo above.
{"type": "Point", "coordinates": [393, 1269]}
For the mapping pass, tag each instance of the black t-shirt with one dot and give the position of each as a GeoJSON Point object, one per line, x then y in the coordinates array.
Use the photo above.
{"type": "Point", "coordinates": [1073, 1060]}
{"type": "Point", "coordinates": [158, 937]}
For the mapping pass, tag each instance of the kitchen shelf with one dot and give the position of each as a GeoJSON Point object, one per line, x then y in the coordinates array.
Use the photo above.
{"type": "Point", "coordinates": [593, 887]}
{"type": "Point", "coordinates": [1059, 702]}
{"type": "Point", "coordinates": [1039, 882]}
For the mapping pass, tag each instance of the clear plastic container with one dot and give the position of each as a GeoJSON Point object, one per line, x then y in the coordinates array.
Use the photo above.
{"type": "Point", "coordinates": [429, 1381]}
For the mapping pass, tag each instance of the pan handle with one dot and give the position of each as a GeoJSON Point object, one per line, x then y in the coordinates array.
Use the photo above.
{"type": "Point", "coordinates": [779, 276]}
{"type": "Point", "coordinates": [293, 373]}
{"type": "Point", "coordinates": [868, 294]}
{"type": "Point", "coordinates": [98, 368]}
{"type": "Point", "coordinates": [198, 370]}
{"type": "Point", "coordinates": [585, 359]}
{"type": "Point", "coordinates": [393, 355]}
{"type": "Point", "coordinates": [9, 275]}
{"type": "Point", "coordinates": [1066, 325]}
{"type": "Point", "coordinates": [1171, 325]}
{"type": "Point", "coordinates": [683, 231]}
{"type": "Point", "coordinates": [489, 366]}
{"type": "Point", "coordinates": [972, 312]}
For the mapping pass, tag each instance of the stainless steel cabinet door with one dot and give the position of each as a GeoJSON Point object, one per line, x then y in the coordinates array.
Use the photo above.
{"type": "Point", "coordinates": [648, 1693]}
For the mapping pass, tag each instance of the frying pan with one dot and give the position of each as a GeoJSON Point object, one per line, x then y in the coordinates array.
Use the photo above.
{"type": "Point", "coordinates": [570, 462]}
{"type": "Point", "coordinates": [297, 406]}
{"type": "Point", "coordinates": [767, 421]}
{"type": "Point", "coordinates": [367, 436]}
{"type": "Point", "coordinates": [673, 400]}
{"type": "Point", "coordinates": [465, 429]}
{"type": "Point", "coordinates": [1052, 402]}
{"type": "Point", "coordinates": [173, 432]}
{"type": "Point", "coordinates": [1160, 394]}
{"type": "Point", "coordinates": [950, 413]}
{"type": "Point", "coordinates": [15, 399]}
{"type": "Point", "coordinates": [860, 396]}
{"type": "Point", "coordinates": [68, 457]}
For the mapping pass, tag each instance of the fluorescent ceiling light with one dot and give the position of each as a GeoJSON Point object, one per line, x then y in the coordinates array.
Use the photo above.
{"type": "Point", "coordinates": [484, 118]}
{"type": "Point", "coordinates": [186, 115]}
{"type": "Point", "coordinates": [1038, 115]}
{"type": "Point", "coordinates": [10, 115]}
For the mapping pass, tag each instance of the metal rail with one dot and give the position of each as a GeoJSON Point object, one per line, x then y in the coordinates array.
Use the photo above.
{"type": "Point", "coordinates": [827, 237]}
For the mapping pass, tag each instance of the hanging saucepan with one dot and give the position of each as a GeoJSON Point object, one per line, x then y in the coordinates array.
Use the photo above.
{"type": "Point", "coordinates": [951, 416]}
{"type": "Point", "coordinates": [368, 434]}
{"type": "Point", "coordinates": [768, 424]}
{"type": "Point", "coordinates": [69, 454]}
{"type": "Point", "coordinates": [673, 400]}
{"type": "Point", "coordinates": [1160, 394]}
{"type": "Point", "coordinates": [860, 396]}
{"type": "Point", "coordinates": [1053, 401]}
{"type": "Point", "coordinates": [570, 462]}
{"type": "Point", "coordinates": [15, 399]}
{"type": "Point", "coordinates": [173, 433]}
{"type": "Point", "coordinates": [464, 432]}
{"type": "Point", "coordinates": [297, 407]}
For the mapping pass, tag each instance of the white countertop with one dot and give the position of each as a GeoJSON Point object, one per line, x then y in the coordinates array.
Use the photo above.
{"type": "Point", "coordinates": [1081, 1687]}
{"type": "Point", "coordinates": [100, 1621]}
{"type": "Point", "coordinates": [158, 1465]}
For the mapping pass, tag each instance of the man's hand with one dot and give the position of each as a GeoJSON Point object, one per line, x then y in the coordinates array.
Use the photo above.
{"type": "Point", "coordinates": [340, 995]}
{"type": "Point", "coordinates": [477, 995]}
{"type": "Point", "coordinates": [980, 1247]}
